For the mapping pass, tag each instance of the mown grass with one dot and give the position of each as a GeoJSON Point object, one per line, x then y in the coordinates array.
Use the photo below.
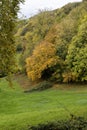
{"type": "Point", "coordinates": [19, 110]}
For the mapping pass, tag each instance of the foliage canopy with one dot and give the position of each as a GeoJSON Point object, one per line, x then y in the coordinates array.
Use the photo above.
{"type": "Point", "coordinates": [43, 57]}
{"type": "Point", "coordinates": [66, 30]}
{"type": "Point", "coordinates": [8, 15]}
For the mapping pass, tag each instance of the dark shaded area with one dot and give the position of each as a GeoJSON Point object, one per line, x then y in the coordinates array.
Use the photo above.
{"type": "Point", "coordinates": [47, 73]}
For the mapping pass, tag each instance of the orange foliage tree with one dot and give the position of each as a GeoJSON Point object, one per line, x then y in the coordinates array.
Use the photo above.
{"type": "Point", "coordinates": [43, 57]}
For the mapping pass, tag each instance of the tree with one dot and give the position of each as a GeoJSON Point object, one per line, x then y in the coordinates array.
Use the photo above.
{"type": "Point", "coordinates": [8, 15]}
{"type": "Point", "coordinates": [43, 58]}
{"type": "Point", "coordinates": [77, 53]}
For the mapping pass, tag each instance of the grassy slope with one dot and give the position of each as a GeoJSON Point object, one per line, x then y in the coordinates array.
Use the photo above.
{"type": "Point", "coordinates": [19, 110]}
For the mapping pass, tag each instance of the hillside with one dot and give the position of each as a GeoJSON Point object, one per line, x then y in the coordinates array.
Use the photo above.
{"type": "Point", "coordinates": [62, 33]}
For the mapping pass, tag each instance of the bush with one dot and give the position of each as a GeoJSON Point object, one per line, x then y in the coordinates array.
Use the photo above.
{"type": "Point", "coordinates": [74, 123]}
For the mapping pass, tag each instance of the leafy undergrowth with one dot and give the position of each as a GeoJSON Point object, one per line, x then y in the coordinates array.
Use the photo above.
{"type": "Point", "coordinates": [20, 111]}
{"type": "Point", "coordinates": [74, 123]}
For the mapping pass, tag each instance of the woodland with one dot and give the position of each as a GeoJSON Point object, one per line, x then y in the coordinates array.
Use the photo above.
{"type": "Point", "coordinates": [53, 44]}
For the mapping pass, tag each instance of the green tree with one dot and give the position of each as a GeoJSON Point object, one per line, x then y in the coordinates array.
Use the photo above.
{"type": "Point", "coordinates": [8, 15]}
{"type": "Point", "coordinates": [77, 53]}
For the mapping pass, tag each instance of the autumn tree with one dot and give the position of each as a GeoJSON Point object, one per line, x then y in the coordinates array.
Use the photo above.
{"type": "Point", "coordinates": [8, 15]}
{"type": "Point", "coordinates": [43, 58]}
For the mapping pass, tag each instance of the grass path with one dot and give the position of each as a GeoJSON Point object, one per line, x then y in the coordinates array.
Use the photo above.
{"type": "Point", "coordinates": [18, 110]}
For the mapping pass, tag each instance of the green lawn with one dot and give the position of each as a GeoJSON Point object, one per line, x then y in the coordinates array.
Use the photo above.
{"type": "Point", "coordinates": [18, 110]}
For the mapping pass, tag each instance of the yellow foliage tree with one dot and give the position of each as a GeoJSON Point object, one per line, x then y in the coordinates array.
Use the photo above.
{"type": "Point", "coordinates": [43, 57]}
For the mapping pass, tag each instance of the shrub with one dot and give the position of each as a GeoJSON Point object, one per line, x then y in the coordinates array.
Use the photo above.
{"type": "Point", "coordinates": [74, 123]}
